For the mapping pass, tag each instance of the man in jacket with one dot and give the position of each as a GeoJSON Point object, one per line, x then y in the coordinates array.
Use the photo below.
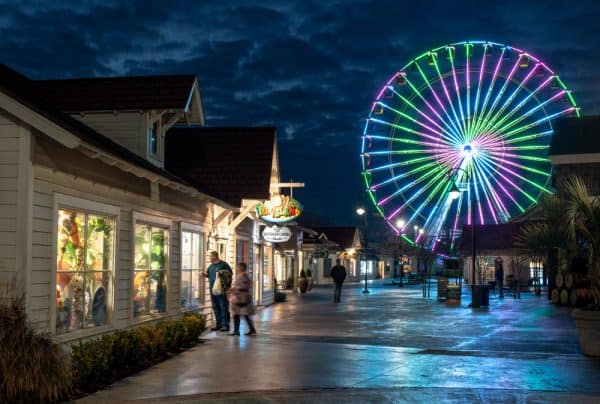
{"type": "Point", "coordinates": [220, 303]}
{"type": "Point", "coordinates": [338, 273]}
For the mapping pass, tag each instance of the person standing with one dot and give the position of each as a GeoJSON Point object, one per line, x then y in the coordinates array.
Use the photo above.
{"type": "Point", "coordinates": [241, 299]}
{"type": "Point", "coordinates": [498, 263]}
{"type": "Point", "coordinates": [221, 271]}
{"type": "Point", "coordinates": [338, 273]}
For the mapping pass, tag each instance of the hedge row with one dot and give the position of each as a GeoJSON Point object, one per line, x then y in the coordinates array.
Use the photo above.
{"type": "Point", "coordinates": [99, 362]}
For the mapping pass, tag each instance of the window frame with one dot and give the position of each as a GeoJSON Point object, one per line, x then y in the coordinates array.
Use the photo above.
{"type": "Point", "coordinates": [201, 231]}
{"type": "Point", "coordinates": [157, 221]}
{"type": "Point", "coordinates": [86, 206]}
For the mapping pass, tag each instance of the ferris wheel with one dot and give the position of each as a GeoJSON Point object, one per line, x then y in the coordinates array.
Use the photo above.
{"type": "Point", "coordinates": [460, 132]}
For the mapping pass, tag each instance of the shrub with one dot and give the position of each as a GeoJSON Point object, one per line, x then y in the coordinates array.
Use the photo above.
{"type": "Point", "coordinates": [32, 367]}
{"type": "Point", "coordinates": [101, 361]}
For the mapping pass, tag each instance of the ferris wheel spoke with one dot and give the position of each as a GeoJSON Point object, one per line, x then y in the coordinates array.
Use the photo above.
{"type": "Point", "coordinates": [468, 76]}
{"type": "Point", "coordinates": [489, 115]}
{"type": "Point", "coordinates": [456, 121]}
{"type": "Point", "coordinates": [434, 93]}
{"type": "Point", "coordinates": [487, 197]}
{"type": "Point", "coordinates": [489, 171]}
{"type": "Point", "coordinates": [448, 133]}
{"type": "Point", "coordinates": [473, 120]}
{"type": "Point", "coordinates": [405, 188]}
{"type": "Point", "coordinates": [531, 111]}
{"type": "Point", "coordinates": [428, 104]}
{"type": "Point", "coordinates": [492, 195]}
{"type": "Point", "coordinates": [457, 90]}
{"type": "Point", "coordinates": [398, 139]}
{"type": "Point", "coordinates": [406, 174]}
{"type": "Point", "coordinates": [436, 189]}
{"type": "Point", "coordinates": [540, 121]}
{"type": "Point", "coordinates": [522, 178]}
{"type": "Point", "coordinates": [411, 119]}
{"type": "Point", "coordinates": [398, 164]}
{"type": "Point", "coordinates": [418, 193]}
{"type": "Point", "coordinates": [532, 136]}
{"type": "Point", "coordinates": [489, 92]}
{"type": "Point", "coordinates": [499, 118]}
{"type": "Point", "coordinates": [522, 166]}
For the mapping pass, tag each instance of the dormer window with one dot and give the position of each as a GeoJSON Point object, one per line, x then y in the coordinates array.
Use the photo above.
{"type": "Point", "coordinates": [153, 139]}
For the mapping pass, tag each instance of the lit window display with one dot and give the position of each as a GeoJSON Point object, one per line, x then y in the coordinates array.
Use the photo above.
{"type": "Point", "coordinates": [151, 257]}
{"type": "Point", "coordinates": [268, 267]}
{"type": "Point", "coordinates": [191, 266]}
{"type": "Point", "coordinates": [84, 270]}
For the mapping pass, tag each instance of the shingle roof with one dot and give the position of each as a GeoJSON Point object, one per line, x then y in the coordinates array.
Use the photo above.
{"type": "Point", "coordinates": [576, 136]}
{"type": "Point", "coordinates": [491, 236]}
{"type": "Point", "coordinates": [20, 88]}
{"type": "Point", "coordinates": [343, 235]}
{"type": "Point", "coordinates": [117, 93]}
{"type": "Point", "coordinates": [231, 163]}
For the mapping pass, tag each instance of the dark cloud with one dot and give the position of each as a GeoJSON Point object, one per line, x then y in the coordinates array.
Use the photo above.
{"type": "Point", "coordinates": [312, 68]}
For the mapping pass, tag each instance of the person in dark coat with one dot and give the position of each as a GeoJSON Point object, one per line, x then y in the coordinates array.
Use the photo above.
{"type": "Point", "coordinates": [338, 273]}
{"type": "Point", "coordinates": [498, 263]}
{"type": "Point", "coordinates": [241, 299]}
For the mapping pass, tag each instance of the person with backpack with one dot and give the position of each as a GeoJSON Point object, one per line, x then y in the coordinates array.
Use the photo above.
{"type": "Point", "coordinates": [338, 273]}
{"type": "Point", "coordinates": [219, 281]}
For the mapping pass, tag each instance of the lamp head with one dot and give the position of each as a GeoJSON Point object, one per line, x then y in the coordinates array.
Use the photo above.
{"type": "Point", "coordinates": [360, 211]}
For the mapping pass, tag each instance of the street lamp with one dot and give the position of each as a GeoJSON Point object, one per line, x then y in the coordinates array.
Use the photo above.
{"type": "Point", "coordinates": [454, 194]}
{"type": "Point", "coordinates": [400, 224]}
{"type": "Point", "coordinates": [362, 212]}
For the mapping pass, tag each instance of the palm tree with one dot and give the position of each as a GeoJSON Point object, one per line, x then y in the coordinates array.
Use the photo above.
{"type": "Point", "coordinates": [583, 227]}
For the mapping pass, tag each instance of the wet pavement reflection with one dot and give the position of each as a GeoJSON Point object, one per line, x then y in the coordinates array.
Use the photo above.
{"type": "Point", "coordinates": [392, 338]}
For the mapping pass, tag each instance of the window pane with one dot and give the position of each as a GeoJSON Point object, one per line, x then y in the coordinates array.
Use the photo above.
{"type": "Point", "coordinates": [70, 301]}
{"type": "Point", "coordinates": [142, 246]}
{"type": "Point", "coordinates": [186, 250]}
{"type": "Point", "coordinates": [196, 291]}
{"type": "Point", "coordinates": [150, 292]}
{"type": "Point", "coordinates": [97, 286]}
{"type": "Point", "coordinates": [196, 262]}
{"type": "Point", "coordinates": [158, 248]}
{"type": "Point", "coordinates": [99, 244]}
{"type": "Point", "coordinates": [186, 287]}
{"type": "Point", "coordinates": [70, 254]}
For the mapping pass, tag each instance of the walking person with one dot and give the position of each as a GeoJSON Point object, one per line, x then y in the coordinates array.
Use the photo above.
{"type": "Point", "coordinates": [241, 300]}
{"type": "Point", "coordinates": [219, 281]}
{"type": "Point", "coordinates": [498, 263]}
{"type": "Point", "coordinates": [338, 273]}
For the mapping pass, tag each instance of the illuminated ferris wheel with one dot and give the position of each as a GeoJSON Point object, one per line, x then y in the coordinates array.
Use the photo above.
{"type": "Point", "coordinates": [474, 117]}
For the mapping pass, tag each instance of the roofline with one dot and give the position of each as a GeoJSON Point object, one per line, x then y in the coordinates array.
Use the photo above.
{"type": "Point", "coordinates": [65, 137]}
{"type": "Point", "coordinates": [575, 158]}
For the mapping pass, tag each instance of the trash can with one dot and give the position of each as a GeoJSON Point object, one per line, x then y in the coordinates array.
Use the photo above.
{"type": "Point", "coordinates": [442, 287]}
{"type": "Point", "coordinates": [453, 294]}
{"type": "Point", "coordinates": [481, 296]}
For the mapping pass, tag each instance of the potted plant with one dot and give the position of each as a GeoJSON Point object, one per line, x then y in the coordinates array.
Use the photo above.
{"type": "Point", "coordinates": [583, 213]}
{"type": "Point", "coordinates": [310, 279]}
{"type": "Point", "coordinates": [302, 282]}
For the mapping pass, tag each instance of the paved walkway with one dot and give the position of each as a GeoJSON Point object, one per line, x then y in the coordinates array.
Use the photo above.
{"type": "Point", "coordinates": [390, 345]}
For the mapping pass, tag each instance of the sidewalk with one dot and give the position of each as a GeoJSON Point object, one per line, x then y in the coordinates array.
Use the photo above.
{"type": "Point", "coordinates": [389, 345]}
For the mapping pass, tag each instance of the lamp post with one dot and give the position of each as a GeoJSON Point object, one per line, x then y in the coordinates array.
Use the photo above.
{"type": "Point", "coordinates": [454, 194]}
{"type": "Point", "coordinates": [363, 213]}
{"type": "Point", "coordinates": [400, 224]}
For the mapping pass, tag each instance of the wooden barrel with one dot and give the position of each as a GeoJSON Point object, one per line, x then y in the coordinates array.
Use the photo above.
{"type": "Point", "coordinates": [564, 297]}
{"type": "Point", "coordinates": [555, 296]}
{"type": "Point", "coordinates": [569, 280]}
{"type": "Point", "coordinates": [579, 296]}
{"type": "Point", "coordinates": [581, 281]}
{"type": "Point", "coordinates": [559, 280]}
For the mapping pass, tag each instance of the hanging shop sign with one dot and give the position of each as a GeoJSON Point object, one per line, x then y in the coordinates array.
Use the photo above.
{"type": "Point", "coordinates": [277, 234]}
{"type": "Point", "coordinates": [279, 209]}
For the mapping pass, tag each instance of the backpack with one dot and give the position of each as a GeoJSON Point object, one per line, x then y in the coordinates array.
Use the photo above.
{"type": "Point", "coordinates": [226, 276]}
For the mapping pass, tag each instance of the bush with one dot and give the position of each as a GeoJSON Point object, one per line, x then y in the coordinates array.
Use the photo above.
{"type": "Point", "coordinates": [99, 362]}
{"type": "Point", "coordinates": [32, 367]}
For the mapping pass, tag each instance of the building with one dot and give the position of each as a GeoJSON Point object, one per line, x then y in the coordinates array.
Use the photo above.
{"type": "Point", "coordinates": [575, 149]}
{"type": "Point", "coordinates": [97, 233]}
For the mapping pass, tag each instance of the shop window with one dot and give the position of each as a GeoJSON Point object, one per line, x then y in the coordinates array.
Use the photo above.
{"type": "Point", "coordinates": [151, 260]}
{"type": "Point", "coordinates": [268, 267]}
{"type": "Point", "coordinates": [84, 270]}
{"type": "Point", "coordinates": [191, 267]}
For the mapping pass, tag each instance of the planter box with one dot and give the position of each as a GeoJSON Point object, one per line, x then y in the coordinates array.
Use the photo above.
{"type": "Point", "coordinates": [588, 328]}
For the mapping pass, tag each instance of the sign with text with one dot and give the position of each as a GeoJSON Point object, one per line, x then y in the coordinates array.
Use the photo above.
{"type": "Point", "coordinates": [279, 209]}
{"type": "Point", "coordinates": [276, 234]}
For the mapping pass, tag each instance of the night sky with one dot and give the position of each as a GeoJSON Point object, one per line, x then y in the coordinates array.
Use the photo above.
{"type": "Point", "coordinates": [310, 68]}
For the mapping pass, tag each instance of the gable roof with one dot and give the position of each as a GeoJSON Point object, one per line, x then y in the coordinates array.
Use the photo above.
{"type": "Point", "coordinates": [576, 136]}
{"type": "Point", "coordinates": [117, 93]}
{"type": "Point", "coordinates": [20, 88]}
{"type": "Point", "coordinates": [491, 236]}
{"type": "Point", "coordinates": [231, 163]}
{"type": "Point", "coordinates": [343, 235]}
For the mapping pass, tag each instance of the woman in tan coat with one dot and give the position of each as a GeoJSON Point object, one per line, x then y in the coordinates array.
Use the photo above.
{"type": "Point", "coordinates": [241, 299]}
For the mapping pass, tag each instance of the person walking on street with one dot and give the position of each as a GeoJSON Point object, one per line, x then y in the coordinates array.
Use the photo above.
{"type": "Point", "coordinates": [219, 281]}
{"type": "Point", "coordinates": [241, 300]}
{"type": "Point", "coordinates": [498, 263]}
{"type": "Point", "coordinates": [338, 273]}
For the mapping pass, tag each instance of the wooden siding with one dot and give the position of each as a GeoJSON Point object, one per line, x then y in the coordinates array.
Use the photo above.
{"type": "Point", "coordinates": [9, 182]}
{"type": "Point", "coordinates": [51, 154]}
{"type": "Point", "coordinates": [127, 129]}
